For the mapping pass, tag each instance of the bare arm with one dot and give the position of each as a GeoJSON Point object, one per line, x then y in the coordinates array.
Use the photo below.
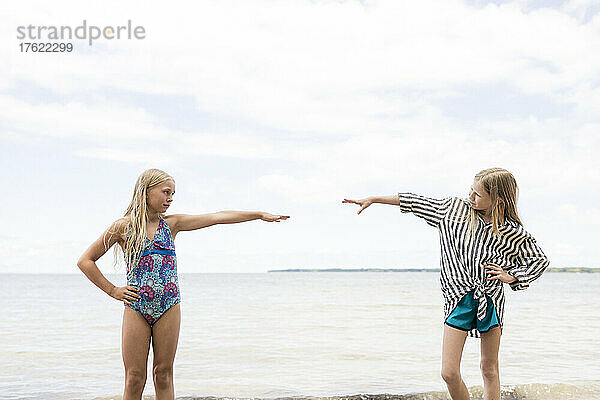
{"type": "Point", "coordinates": [182, 222]}
{"type": "Point", "coordinates": [429, 209]}
{"type": "Point", "coordinates": [87, 264]}
{"type": "Point", "coordinates": [366, 202]}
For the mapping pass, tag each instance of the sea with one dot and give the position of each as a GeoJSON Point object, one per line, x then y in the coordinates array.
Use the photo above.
{"type": "Point", "coordinates": [300, 335]}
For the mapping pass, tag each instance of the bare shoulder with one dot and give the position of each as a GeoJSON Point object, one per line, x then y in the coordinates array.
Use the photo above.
{"type": "Point", "coordinates": [171, 220]}
{"type": "Point", "coordinates": [121, 223]}
{"type": "Point", "coordinates": [120, 228]}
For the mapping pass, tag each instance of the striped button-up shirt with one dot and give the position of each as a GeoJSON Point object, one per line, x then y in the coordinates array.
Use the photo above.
{"type": "Point", "coordinates": [464, 255]}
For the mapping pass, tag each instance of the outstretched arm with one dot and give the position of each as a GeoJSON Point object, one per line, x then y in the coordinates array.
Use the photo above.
{"type": "Point", "coordinates": [183, 222]}
{"type": "Point", "coordinates": [431, 210]}
{"type": "Point", "coordinates": [366, 202]}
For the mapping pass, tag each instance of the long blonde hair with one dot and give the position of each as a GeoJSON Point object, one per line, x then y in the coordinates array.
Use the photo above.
{"type": "Point", "coordinates": [502, 188]}
{"type": "Point", "coordinates": [136, 215]}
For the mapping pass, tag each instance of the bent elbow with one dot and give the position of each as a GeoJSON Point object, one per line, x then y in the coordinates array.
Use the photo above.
{"type": "Point", "coordinates": [81, 263]}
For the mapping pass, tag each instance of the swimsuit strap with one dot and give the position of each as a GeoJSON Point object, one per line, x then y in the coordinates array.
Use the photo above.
{"type": "Point", "coordinates": [161, 224]}
{"type": "Point", "coordinates": [168, 228]}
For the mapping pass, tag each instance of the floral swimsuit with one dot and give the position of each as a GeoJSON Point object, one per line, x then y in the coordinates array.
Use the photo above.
{"type": "Point", "coordinates": [155, 275]}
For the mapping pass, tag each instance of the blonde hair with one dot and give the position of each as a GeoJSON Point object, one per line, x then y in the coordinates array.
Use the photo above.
{"type": "Point", "coordinates": [502, 188]}
{"type": "Point", "coordinates": [136, 216]}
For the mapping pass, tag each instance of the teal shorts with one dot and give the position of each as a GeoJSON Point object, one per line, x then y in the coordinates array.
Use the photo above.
{"type": "Point", "coordinates": [464, 316]}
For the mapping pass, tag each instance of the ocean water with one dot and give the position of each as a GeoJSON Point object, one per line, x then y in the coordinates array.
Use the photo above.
{"type": "Point", "coordinates": [301, 335]}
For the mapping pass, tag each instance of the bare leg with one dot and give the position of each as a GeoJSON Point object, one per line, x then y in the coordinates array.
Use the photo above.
{"type": "Point", "coordinates": [490, 344]}
{"type": "Point", "coordinates": [165, 335]}
{"type": "Point", "coordinates": [452, 348]}
{"type": "Point", "coordinates": [135, 344]}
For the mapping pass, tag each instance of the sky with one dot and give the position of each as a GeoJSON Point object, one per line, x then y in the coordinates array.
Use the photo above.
{"type": "Point", "coordinates": [289, 107]}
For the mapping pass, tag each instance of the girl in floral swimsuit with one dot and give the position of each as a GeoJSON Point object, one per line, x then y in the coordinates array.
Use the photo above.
{"type": "Point", "coordinates": [155, 275]}
{"type": "Point", "coordinates": [152, 293]}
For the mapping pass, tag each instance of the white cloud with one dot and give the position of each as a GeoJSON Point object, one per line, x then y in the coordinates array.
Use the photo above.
{"type": "Point", "coordinates": [579, 8]}
{"type": "Point", "coordinates": [311, 189]}
{"type": "Point", "coordinates": [445, 157]}
{"type": "Point", "coordinates": [125, 155]}
{"type": "Point", "coordinates": [249, 146]}
{"type": "Point", "coordinates": [578, 215]}
{"type": "Point", "coordinates": [566, 250]}
{"type": "Point", "coordinates": [304, 66]}
{"type": "Point", "coordinates": [94, 123]}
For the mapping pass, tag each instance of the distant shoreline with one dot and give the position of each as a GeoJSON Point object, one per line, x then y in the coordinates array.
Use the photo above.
{"type": "Point", "coordinates": [552, 270]}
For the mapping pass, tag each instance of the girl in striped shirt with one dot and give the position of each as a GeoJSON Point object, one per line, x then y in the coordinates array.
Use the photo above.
{"type": "Point", "coordinates": [483, 247]}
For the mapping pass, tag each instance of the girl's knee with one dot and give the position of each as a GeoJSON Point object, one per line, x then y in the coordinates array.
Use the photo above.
{"type": "Point", "coordinates": [163, 375]}
{"type": "Point", "coordinates": [489, 369]}
{"type": "Point", "coordinates": [451, 375]}
{"type": "Point", "coordinates": [135, 380]}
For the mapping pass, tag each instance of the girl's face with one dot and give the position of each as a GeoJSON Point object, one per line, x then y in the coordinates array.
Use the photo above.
{"type": "Point", "coordinates": [161, 196]}
{"type": "Point", "coordinates": [478, 198]}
